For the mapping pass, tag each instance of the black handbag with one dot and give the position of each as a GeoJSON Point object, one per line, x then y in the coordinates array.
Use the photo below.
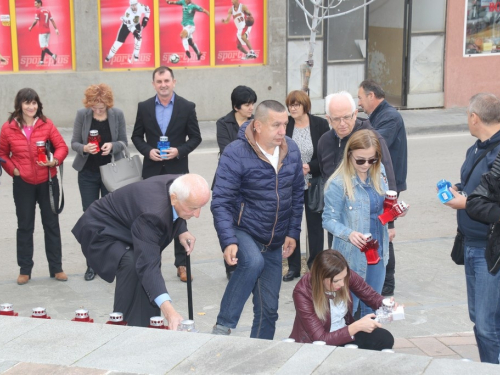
{"type": "Point", "coordinates": [315, 194]}
{"type": "Point", "coordinates": [457, 252]}
{"type": "Point", "coordinates": [54, 205]}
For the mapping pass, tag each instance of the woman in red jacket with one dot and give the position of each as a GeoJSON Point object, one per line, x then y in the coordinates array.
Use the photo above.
{"type": "Point", "coordinates": [25, 127]}
{"type": "Point", "coordinates": [323, 305]}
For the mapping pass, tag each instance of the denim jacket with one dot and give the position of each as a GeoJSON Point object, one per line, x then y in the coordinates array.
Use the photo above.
{"type": "Point", "coordinates": [342, 216]}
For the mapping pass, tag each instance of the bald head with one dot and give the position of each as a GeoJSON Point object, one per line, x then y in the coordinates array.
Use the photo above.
{"type": "Point", "coordinates": [188, 194]}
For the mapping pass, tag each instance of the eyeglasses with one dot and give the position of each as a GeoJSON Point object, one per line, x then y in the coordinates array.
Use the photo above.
{"type": "Point", "coordinates": [363, 161]}
{"type": "Point", "coordinates": [338, 120]}
{"type": "Point", "coordinates": [294, 106]}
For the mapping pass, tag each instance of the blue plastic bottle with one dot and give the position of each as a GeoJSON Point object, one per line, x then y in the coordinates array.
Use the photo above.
{"type": "Point", "coordinates": [444, 193]}
{"type": "Point", "coordinates": [163, 146]}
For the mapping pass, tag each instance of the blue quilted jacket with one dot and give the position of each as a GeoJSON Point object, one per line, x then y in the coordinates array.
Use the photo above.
{"type": "Point", "coordinates": [250, 195]}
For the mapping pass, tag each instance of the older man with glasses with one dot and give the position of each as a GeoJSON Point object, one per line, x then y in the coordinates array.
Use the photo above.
{"type": "Point", "coordinates": [341, 114]}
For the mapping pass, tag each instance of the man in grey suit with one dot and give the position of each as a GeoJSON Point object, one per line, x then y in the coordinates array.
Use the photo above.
{"type": "Point", "coordinates": [123, 234]}
{"type": "Point", "coordinates": [166, 114]}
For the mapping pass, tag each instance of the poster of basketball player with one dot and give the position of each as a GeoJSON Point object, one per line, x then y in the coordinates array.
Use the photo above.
{"type": "Point", "coordinates": [185, 32]}
{"type": "Point", "coordinates": [127, 34]}
{"type": "Point", "coordinates": [239, 32]}
{"type": "Point", "coordinates": [44, 34]}
{"type": "Point", "coordinates": [5, 38]}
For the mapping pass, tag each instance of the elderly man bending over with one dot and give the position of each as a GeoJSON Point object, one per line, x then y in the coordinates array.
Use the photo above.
{"type": "Point", "coordinates": [123, 234]}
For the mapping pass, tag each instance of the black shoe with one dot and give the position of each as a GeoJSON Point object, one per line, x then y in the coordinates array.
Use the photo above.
{"type": "Point", "coordinates": [229, 274]}
{"type": "Point", "coordinates": [188, 54]}
{"type": "Point", "coordinates": [89, 274]}
{"type": "Point", "coordinates": [387, 291]}
{"type": "Point", "coordinates": [291, 275]}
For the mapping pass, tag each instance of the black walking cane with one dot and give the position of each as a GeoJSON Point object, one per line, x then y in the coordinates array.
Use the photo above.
{"type": "Point", "coordinates": [189, 284]}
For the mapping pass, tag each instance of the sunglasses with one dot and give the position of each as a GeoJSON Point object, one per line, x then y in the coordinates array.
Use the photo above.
{"type": "Point", "coordinates": [363, 161]}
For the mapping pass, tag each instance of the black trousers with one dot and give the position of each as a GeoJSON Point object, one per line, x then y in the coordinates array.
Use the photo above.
{"type": "Point", "coordinates": [26, 196]}
{"type": "Point", "coordinates": [379, 339]}
{"type": "Point", "coordinates": [390, 270]}
{"type": "Point", "coordinates": [130, 297]}
{"type": "Point", "coordinates": [91, 188]}
{"type": "Point", "coordinates": [316, 236]}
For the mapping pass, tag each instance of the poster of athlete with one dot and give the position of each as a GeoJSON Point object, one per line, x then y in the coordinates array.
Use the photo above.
{"type": "Point", "coordinates": [127, 34]}
{"type": "Point", "coordinates": [44, 34]}
{"type": "Point", "coordinates": [185, 32]}
{"type": "Point", "coordinates": [5, 38]}
{"type": "Point", "coordinates": [239, 32]}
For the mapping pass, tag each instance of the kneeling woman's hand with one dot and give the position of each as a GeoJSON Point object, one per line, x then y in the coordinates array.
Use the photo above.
{"type": "Point", "coordinates": [365, 324]}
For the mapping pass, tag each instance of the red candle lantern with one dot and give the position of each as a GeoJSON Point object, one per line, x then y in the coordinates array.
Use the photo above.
{"type": "Point", "coordinates": [82, 315]}
{"type": "Point", "coordinates": [7, 309]}
{"type": "Point", "coordinates": [95, 139]}
{"type": "Point", "coordinates": [157, 322]}
{"type": "Point", "coordinates": [41, 152]}
{"type": "Point", "coordinates": [39, 313]}
{"type": "Point", "coordinates": [116, 318]}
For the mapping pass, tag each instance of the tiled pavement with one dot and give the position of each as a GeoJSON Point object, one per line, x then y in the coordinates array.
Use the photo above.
{"type": "Point", "coordinates": [456, 346]}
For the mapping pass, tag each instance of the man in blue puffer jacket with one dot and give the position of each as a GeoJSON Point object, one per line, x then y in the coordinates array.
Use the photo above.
{"type": "Point", "coordinates": [257, 206]}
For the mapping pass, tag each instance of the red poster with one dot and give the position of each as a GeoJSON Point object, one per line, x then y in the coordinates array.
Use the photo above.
{"type": "Point", "coordinates": [127, 34]}
{"type": "Point", "coordinates": [5, 40]}
{"type": "Point", "coordinates": [44, 34]}
{"type": "Point", "coordinates": [239, 32]}
{"type": "Point", "coordinates": [185, 32]}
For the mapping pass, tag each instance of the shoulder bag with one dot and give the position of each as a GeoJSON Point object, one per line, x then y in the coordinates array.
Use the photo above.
{"type": "Point", "coordinates": [119, 173]}
{"type": "Point", "coordinates": [457, 252]}
{"type": "Point", "coordinates": [315, 194]}
{"type": "Point", "coordinates": [49, 149]}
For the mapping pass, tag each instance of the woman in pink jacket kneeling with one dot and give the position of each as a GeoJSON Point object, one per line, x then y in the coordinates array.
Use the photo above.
{"type": "Point", "coordinates": [323, 304]}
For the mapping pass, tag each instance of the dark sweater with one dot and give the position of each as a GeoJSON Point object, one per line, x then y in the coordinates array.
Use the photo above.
{"type": "Point", "coordinates": [331, 151]}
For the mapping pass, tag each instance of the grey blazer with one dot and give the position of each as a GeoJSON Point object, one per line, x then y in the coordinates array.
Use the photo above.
{"type": "Point", "coordinates": [81, 130]}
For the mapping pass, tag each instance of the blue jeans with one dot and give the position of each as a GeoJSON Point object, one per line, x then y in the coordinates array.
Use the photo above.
{"type": "Point", "coordinates": [483, 298]}
{"type": "Point", "coordinates": [258, 272]}
{"type": "Point", "coordinates": [375, 276]}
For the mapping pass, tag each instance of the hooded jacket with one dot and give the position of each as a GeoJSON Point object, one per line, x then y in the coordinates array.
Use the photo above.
{"type": "Point", "coordinates": [475, 232]}
{"type": "Point", "coordinates": [251, 196]}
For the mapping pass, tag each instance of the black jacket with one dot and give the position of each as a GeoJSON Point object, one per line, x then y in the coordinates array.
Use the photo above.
{"type": "Point", "coordinates": [387, 121]}
{"type": "Point", "coordinates": [331, 151]}
{"type": "Point", "coordinates": [318, 126]}
{"type": "Point", "coordinates": [147, 132]}
{"type": "Point", "coordinates": [227, 130]}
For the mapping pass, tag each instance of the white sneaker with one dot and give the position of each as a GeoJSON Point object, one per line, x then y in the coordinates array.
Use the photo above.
{"type": "Point", "coordinates": [54, 56]}
{"type": "Point", "coordinates": [40, 62]}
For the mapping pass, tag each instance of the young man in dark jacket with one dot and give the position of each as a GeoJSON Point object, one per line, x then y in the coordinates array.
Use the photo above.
{"type": "Point", "coordinates": [257, 206]}
{"type": "Point", "coordinates": [483, 291]}
{"type": "Point", "coordinates": [387, 121]}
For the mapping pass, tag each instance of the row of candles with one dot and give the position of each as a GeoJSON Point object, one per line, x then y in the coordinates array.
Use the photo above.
{"type": "Point", "coordinates": [82, 315]}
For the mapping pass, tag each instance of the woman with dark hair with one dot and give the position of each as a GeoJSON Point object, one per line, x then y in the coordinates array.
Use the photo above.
{"type": "Point", "coordinates": [26, 126]}
{"type": "Point", "coordinates": [354, 197]}
{"type": "Point", "coordinates": [306, 130]}
{"type": "Point", "coordinates": [99, 115]}
{"type": "Point", "coordinates": [323, 304]}
{"type": "Point", "coordinates": [243, 99]}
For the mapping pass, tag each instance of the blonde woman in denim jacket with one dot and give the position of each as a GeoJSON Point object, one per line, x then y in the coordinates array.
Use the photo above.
{"type": "Point", "coordinates": [354, 197]}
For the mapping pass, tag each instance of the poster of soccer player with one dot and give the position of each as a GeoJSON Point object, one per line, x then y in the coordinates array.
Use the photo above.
{"type": "Point", "coordinates": [127, 34]}
{"type": "Point", "coordinates": [239, 32]}
{"type": "Point", "coordinates": [185, 32]}
{"type": "Point", "coordinates": [5, 38]}
{"type": "Point", "coordinates": [44, 34]}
